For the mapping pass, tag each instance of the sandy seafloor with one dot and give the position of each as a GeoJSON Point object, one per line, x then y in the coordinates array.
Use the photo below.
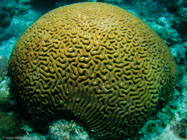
{"type": "Point", "coordinates": [168, 124]}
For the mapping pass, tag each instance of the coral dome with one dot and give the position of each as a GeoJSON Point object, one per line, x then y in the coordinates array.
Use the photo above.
{"type": "Point", "coordinates": [95, 63]}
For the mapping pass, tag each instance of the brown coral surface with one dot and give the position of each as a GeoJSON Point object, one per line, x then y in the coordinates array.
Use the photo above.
{"type": "Point", "coordinates": [94, 62]}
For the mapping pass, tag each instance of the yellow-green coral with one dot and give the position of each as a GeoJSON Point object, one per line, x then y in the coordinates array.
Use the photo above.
{"type": "Point", "coordinates": [95, 62]}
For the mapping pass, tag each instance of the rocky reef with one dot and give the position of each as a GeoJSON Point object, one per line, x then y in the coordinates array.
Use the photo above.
{"type": "Point", "coordinates": [167, 18]}
{"type": "Point", "coordinates": [10, 125]}
{"type": "Point", "coordinates": [67, 130]}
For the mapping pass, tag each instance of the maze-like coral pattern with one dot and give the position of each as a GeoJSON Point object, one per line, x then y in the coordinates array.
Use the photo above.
{"type": "Point", "coordinates": [95, 62]}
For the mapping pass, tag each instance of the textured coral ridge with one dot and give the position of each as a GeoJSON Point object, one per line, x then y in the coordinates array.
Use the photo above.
{"type": "Point", "coordinates": [96, 62]}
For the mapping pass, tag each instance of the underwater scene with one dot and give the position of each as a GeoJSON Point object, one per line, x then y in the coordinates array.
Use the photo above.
{"type": "Point", "coordinates": [93, 70]}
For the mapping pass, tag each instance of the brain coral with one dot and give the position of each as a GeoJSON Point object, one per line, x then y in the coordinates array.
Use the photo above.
{"type": "Point", "coordinates": [93, 62]}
